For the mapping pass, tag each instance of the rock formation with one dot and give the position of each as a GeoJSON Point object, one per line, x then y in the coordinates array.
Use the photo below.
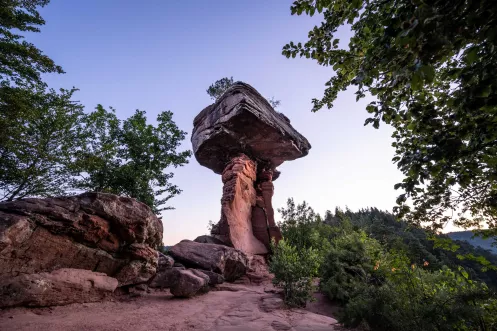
{"type": "Point", "coordinates": [223, 260]}
{"type": "Point", "coordinates": [92, 232]}
{"type": "Point", "coordinates": [59, 287]}
{"type": "Point", "coordinates": [244, 139]}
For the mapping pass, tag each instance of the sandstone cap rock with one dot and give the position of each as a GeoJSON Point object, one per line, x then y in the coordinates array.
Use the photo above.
{"type": "Point", "coordinates": [242, 121]}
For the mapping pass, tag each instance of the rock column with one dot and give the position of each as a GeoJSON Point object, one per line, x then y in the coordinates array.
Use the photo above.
{"type": "Point", "coordinates": [263, 224]}
{"type": "Point", "coordinates": [239, 196]}
{"type": "Point", "coordinates": [228, 137]}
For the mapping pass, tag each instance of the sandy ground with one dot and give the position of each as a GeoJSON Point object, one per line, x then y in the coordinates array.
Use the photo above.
{"type": "Point", "coordinates": [231, 307]}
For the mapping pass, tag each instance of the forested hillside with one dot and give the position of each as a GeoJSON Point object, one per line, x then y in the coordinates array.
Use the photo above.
{"type": "Point", "coordinates": [475, 241]}
{"type": "Point", "coordinates": [385, 274]}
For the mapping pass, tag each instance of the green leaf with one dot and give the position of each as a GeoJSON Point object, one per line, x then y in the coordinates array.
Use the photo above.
{"type": "Point", "coordinates": [471, 55]}
{"type": "Point", "coordinates": [428, 72]}
{"type": "Point", "coordinates": [416, 81]}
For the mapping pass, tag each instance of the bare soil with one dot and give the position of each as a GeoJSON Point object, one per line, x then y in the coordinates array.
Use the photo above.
{"type": "Point", "coordinates": [229, 307]}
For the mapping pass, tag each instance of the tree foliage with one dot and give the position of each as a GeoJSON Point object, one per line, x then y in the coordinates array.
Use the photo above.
{"type": "Point", "coordinates": [49, 146]}
{"type": "Point", "coordinates": [20, 61]}
{"type": "Point", "coordinates": [431, 67]}
{"type": "Point", "coordinates": [294, 269]}
{"type": "Point", "coordinates": [41, 130]}
{"type": "Point", "coordinates": [217, 89]}
{"type": "Point", "coordinates": [130, 157]}
{"type": "Point", "coordinates": [385, 274]}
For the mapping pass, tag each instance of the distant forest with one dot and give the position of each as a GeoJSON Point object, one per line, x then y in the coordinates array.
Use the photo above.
{"type": "Point", "coordinates": [476, 241]}
{"type": "Point", "coordinates": [394, 234]}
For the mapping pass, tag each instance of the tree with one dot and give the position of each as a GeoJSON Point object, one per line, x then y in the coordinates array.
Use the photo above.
{"type": "Point", "coordinates": [130, 157]}
{"type": "Point", "coordinates": [20, 61]}
{"type": "Point", "coordinates": [294, 268]}
{"type": "Point", "coordinates": [216, 90]}
{"type": "Point", "coordinates": [41, 130]}
{"type": "Point", "coordinates": [430, 66]}
{"type": "Point", "coordinates": [273, 102]}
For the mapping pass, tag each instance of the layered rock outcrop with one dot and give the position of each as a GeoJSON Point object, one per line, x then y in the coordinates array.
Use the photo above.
{"type": "Point", "coordinates": [226, 261]}
{"type": "Point", "coordinates": [242, 121]}
{"type": "Point", "coordinates": [92, 232]}
{"type": "Point", "coordinates": [244, 139]}
{"type": "Point", "coordinates": [59, 287]}
{"type": "Point", "coordinates": [238, 200]}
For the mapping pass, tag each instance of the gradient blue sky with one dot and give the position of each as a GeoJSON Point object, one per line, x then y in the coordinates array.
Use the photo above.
{"type": "Point", "coordinates": [158, 55]}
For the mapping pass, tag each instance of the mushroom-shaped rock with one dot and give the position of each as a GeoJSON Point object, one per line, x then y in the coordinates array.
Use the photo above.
{"type": "Point", "coordinates": [244, 139]}
{"type": "Point", "coordinates": [242, 121]}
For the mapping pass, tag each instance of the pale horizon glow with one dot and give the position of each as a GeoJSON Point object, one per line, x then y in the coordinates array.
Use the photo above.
{"type": "Point", "coordinates": [162, 55]}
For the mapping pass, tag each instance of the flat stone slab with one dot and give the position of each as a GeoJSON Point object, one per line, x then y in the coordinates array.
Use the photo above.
{"type": "Point", "coordinates": [242, 121]}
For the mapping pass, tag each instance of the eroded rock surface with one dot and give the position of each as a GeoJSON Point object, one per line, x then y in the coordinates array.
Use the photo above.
{"type": "Point", "coordinates": [239, 197]}
{"type": "Point", "coordinates": [242, 308]}
{"type": "Point", "coordinates": [209, 240]}
{"type": "Point", "coordinates": [226, 261]}
{"type": "Point", "coordinates": [190, 283]}
{"type": "Point", "coordinates": [243, 138]}
{"type": "Point", "coordinates": [242, 121]}
{"type": "Point", "coordinates": [59, 287]}
{"type": "Point", "coordinates": [100, 232]}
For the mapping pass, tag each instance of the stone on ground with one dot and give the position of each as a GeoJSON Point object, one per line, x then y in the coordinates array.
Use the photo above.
{"type": "Point", "coordinates": [189, 284]}
{"type": "Point", "coordinates": [226, 261]}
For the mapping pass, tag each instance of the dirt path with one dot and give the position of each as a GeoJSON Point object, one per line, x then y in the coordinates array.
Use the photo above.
{"type": "Point", "coordinates": [233, 307]}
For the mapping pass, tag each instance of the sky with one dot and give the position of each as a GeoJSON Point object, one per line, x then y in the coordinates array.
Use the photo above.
{"type": "Point", "coordinates": [157, 55]}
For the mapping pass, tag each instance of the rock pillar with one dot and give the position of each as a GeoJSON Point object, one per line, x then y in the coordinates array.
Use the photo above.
{"type": "Point", "coordinates": [263, 224]}
{"type": "Point", "coordinates": [239, 196]}
{"type": "Point", "coordinates": [239, 124]}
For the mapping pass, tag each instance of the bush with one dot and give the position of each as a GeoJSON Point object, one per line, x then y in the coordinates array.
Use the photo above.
{"type": "Point", "coordinates": [415, 299]}
{"type": "Point", "coordinates": [294, 270]}
{"type": "Point", "coordinates": [382, 290]}
{"type": "Point", "coordinates": [350, 266]}
{"type": "Point", "coordinates": [303, 228]}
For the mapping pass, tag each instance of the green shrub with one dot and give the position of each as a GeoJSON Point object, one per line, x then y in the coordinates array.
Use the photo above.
{"type": "Point", "coordinates": [350, 266]}
{"type": "Point", "coordinates": [294, 270]}
{"type": "Point", "coordinates": [303, 228]}
{"type": "Point", "coordinates": [416, 299]}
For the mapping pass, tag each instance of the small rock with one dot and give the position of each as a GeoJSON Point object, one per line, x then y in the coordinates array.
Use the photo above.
{"type": "Point", "coordinates": [280, 326]}
{"type": "Point", "coordinates": [269, 304]}
{"type": "Point", "coordinates": [165, 262]}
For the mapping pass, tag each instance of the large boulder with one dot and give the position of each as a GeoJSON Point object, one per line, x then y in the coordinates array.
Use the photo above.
{"type": "Point", "coordinates": [214, 278]}
{"type": "Point", "coordinates": [101, 232]}
{"type": "Point", "coordinates": [242, 121]}
{"type": "Point", "coordinates": [165, 278]}
{"type": "Point", "coordinates": [60, 287]}
{"type": "Point", "coordinates": [204, 239]}
{"type": "Point", "coordinates": [226, 261]}
{"type": "Point", "coordinates": [189, 283]}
